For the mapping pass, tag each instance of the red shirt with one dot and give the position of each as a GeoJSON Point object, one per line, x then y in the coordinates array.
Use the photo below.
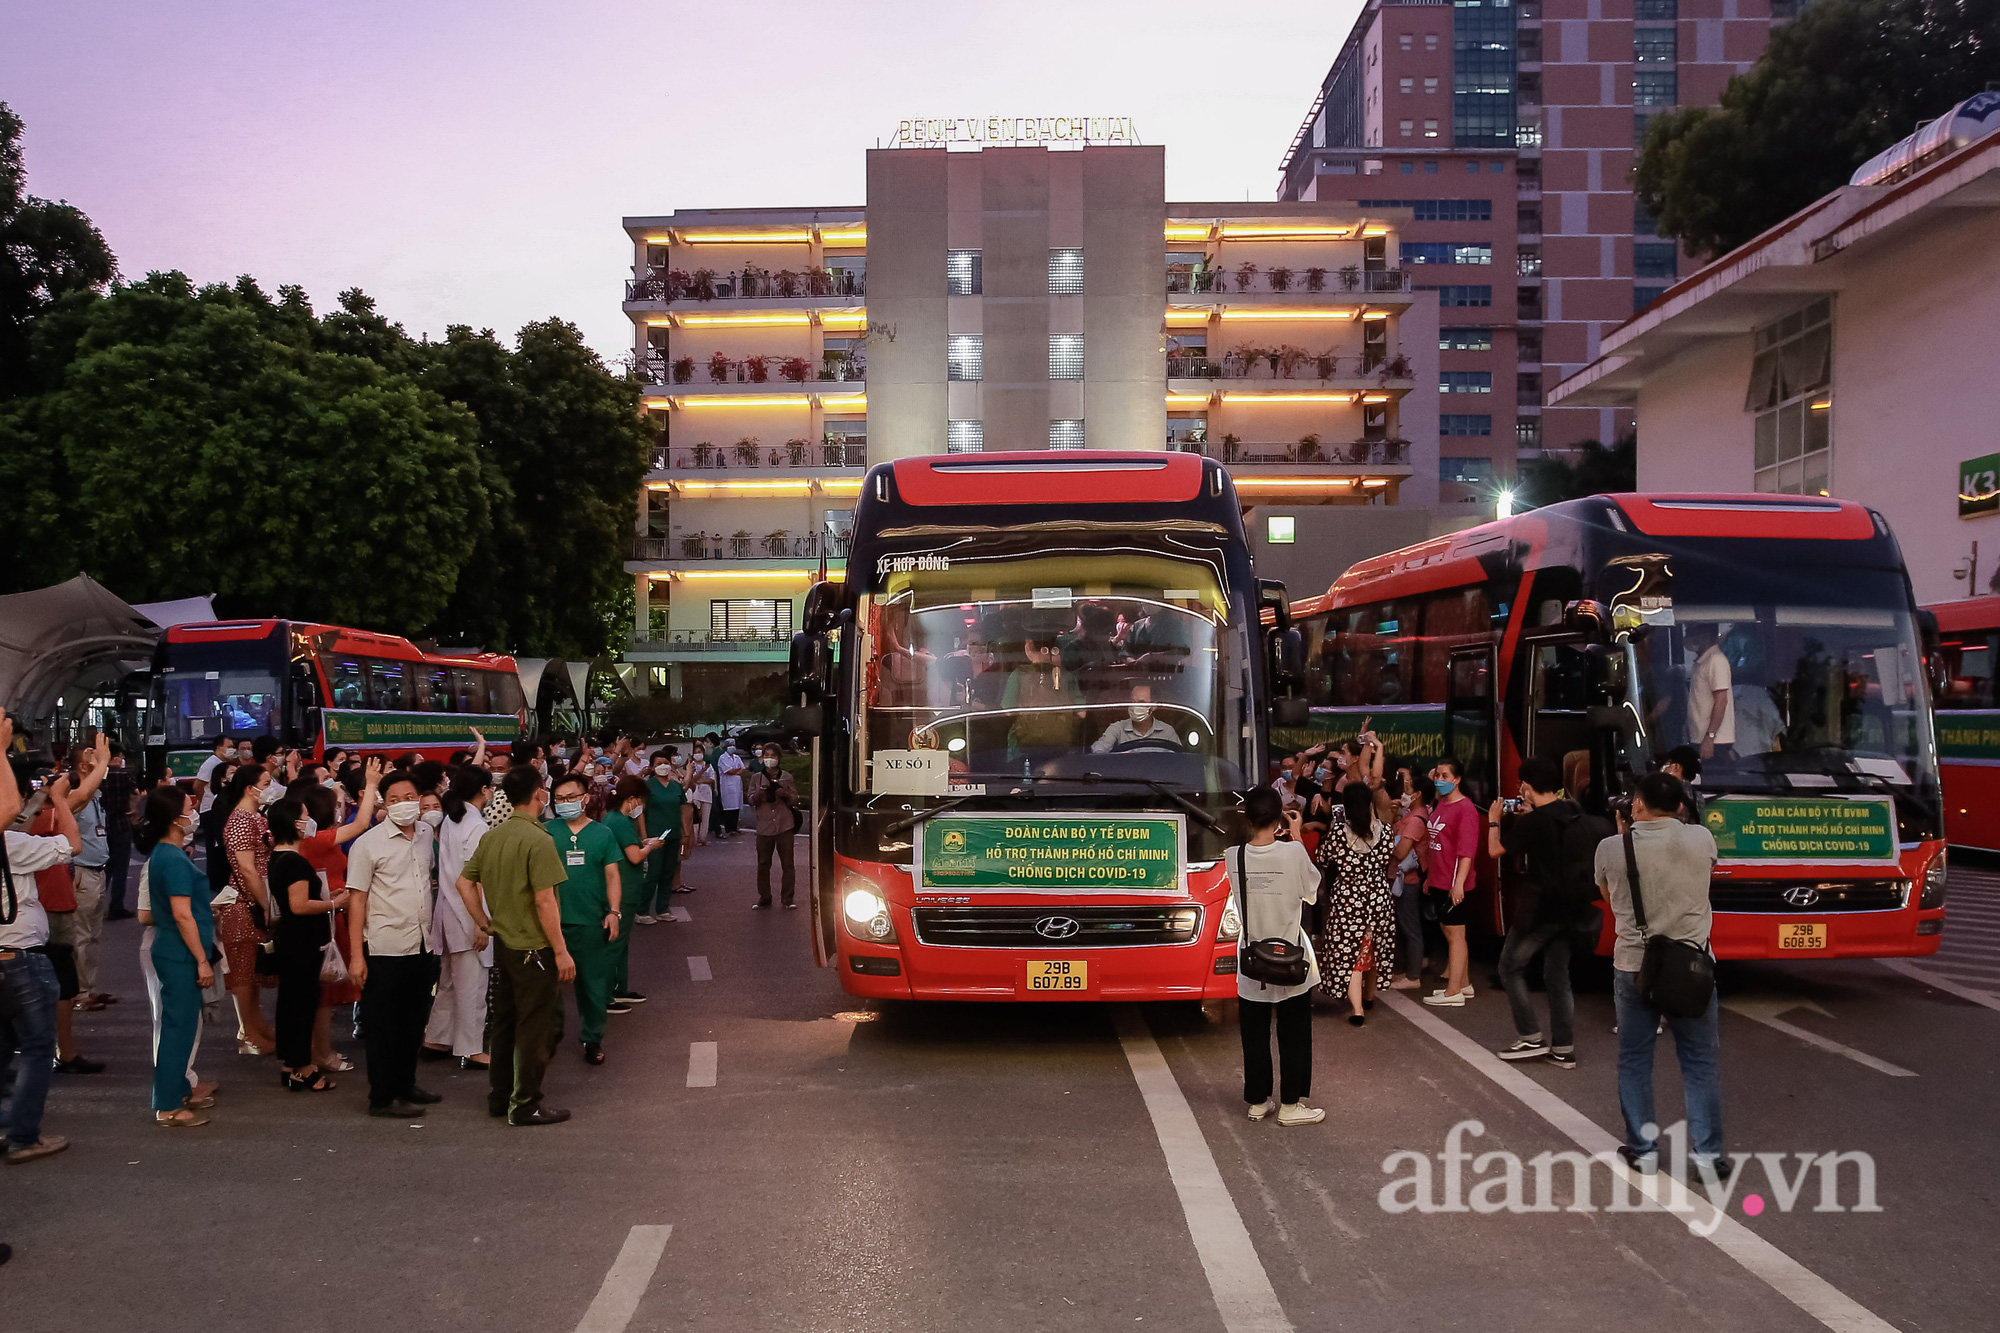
{"type": "Point", "coordinates": [1455, 828]}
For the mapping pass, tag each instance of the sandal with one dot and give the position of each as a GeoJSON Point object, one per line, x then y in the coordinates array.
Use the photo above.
{"type": "Point", "coordinates": [339, 1064]}
{"type": "Point", "coordinates": [198, 1103]}
{"type": "Point", "coordinates": [311, 1079]}
{"type": "Point", "coordinates": [179, 1120]}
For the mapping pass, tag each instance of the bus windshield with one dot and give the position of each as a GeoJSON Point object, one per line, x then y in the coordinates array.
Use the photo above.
{"type": "Point", "coordinates": [1059, 656]}
{"type": "Point", "coordinates": [1804, 681]}
{"type": "Point", "coordinates": [221, 689]}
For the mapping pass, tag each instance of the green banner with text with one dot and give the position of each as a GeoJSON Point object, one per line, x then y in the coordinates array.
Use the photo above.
{"type": "Point", "coordinates": [1969, 735]}
{"type": "Point", "coordinates": [1040, 851]}
{"type": "Point", "coordinates": [1783, 828]}
{"type": "Point", "coordinates": [355, 726]}
{"type": "Point", "coordinates": [1414, 731]}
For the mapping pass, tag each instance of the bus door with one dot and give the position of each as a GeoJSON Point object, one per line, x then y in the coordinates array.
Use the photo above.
{"type": "Point", "coordinates": [1469, 724]}
{"type": "Point", "coordinates": [1561, 691]}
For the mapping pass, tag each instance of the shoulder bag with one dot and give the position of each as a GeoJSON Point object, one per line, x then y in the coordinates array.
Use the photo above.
{"type": "Point", "coordinates": [1676, 978]}
{"type": "Point", "coordinates": [1274, 961]}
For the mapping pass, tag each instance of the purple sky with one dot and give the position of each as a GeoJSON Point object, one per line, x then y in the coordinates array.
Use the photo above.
{"type": "Point", "coordinates": [469, 163]}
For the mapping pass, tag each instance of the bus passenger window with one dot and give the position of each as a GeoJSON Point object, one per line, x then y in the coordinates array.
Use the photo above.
{"type": "Point", "coordinates": [350, 683]}
{"type": "Point", "coordinates": [470, 687]}
{"type": "Point", "coordinates": [503, 693]}
{"type": "Point", "coordinates": [434, 690]}
{"type": "Point", "coordinates": [386, 684]}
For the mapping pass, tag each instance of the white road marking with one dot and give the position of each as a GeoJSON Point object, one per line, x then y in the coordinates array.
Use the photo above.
{"type": "Point", "coordinates": [1236, 1277]}
{"type": "Point", "coordinates": [701, 1064]}
{"type": "Point", "coordinates": [1765, 1010]}
{"type": "Point", "coordinates": [1785, 1275]}
{"type": "Point", "coordinates": [679, 913]}
{"type": "Point", "coordinates": [631, 1273]}
{"type": "Point", "coordinates": [698, 968]}
{"type": "Point", "coordinates": [1917, 972]}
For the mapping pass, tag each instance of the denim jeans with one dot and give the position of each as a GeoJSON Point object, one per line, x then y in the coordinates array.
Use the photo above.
{"type": "Point", "coordinates": [27, 1023]}
{"type": "Point", "coordinates": [1552, 940]}
{"type": "Point", "coordinates": [1697, 1042]}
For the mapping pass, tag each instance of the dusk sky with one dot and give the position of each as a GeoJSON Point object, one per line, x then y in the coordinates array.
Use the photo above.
{"type": "Point", "coordinates": [469, 163]}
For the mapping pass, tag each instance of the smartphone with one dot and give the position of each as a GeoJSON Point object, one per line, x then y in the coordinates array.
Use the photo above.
{"type": "Point", "coordinates": [1513, 805]}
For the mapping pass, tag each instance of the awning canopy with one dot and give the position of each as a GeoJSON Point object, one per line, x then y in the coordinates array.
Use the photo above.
{"type": "Point", "coordinates": [53, 637]}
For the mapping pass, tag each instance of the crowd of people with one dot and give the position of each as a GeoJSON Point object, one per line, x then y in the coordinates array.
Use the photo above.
{"type": "Point", "coordinates": [441, 906]}
{"type": "Point", "coordinates": [1364, 866]}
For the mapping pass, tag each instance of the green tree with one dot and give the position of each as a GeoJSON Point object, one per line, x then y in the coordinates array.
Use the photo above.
{"type": "Point", "coordinates": [46, 251]}
{"type": "Point", "coordinates": [1837, 85]}
{"type": "Point", "coordinates": [1595, 470]}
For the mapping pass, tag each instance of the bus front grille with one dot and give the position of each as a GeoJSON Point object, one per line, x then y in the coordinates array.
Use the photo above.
{"type": "Point", "coordinates": [1056, 927]}
{"type": "Point", "coordinates": [1808, 897]}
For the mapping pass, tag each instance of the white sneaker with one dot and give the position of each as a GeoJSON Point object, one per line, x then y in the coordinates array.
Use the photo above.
{"type": "Point", "coordinates": [1445, 998]}
{"type": "Point", "coordinates": [1298, 1113]}
{"type": "Point", "coordinates": [1263, 1109]}
{"type": "Point", "coordinates": [647, 920]}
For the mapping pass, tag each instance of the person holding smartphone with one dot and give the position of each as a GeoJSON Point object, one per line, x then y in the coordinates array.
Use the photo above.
{"type": "Point", "coordinates": [184, 952]}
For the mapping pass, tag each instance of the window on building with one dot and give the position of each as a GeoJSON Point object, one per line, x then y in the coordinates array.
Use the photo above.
{"type": "Point", "coordinates": [1409, 85]}
{"type": "Point", "coordinates": [850, 435]}
{"type": "Point", "coordinates": [1404, 41]}
{"type": "Point", "coordinates": [1065, 356]}
{"type": "Point", "coordinates": [1430, 85]}
{"type": "Point", "coordinates": [1528, 134]}
{"type": "Point", "coordinates": [1791, 392]}
{"type": "Point", "coordinates": [1066, 272]}
{"type": "Point", "coordinates": [1655, 259]}
{"type": "Point", "coordinates": [1642, 221]}
{"type": "Point", "coordinates": [1281, 529]}
{"type": "Point", "coordinates": [965, 357]}
{"type": "Point", "coordinates": [1462, 296]}
{"type": "Point", "coordinates": [1653, 87]}
{"type": "Point", "coordinates": [1465, 339]}
{"type": "Point", "coordinates": [656, 256]}
{"type": "Point", "coordinates": [1439, 210]}
{"type": "Point", "coordinates": [1527, 432]}
{"type": "Point", "coordinates": [1406, 127]}
{"type": "Point", "coordinates": [1466, 470]}
{"type": "Point", "coordinates": [1430, 168]}
{"type": "Point", "coordinates": [964, 437]}
{"type": "Point", "coordinates": [962, 272]}
{"type": "Point", "coordinates": [1463, 423]}
{"type": "Point", "coordinates": [1409, 168]}
{"type": "Point", "coordinates": [1430, 41]}
{"type": "Point", "coordinates": [1644, 294]}
{"type": "Point", "coordinates": [1430, 129]}
{"type": "Point", "coordinates": [1528, 345]}
{"type": "Point", "coordinates": [1482, 73]}
{"type": "Point", "coordinates": [1652, 46]}
{"type": "Point", "coordinates": [1445, 252]}
{"type": "Point", "coordinates": [754, 618]}
{"type": "Point", "coordinates": [1465, 381]}
{"type": "Point", "coordinates": [1656, 11]}
{"type": "Point", "coordinates": [1066, 434]}
{"type": "Point", "coordinates": [1528, 261]}
{"type": "Point", "coordinates": [1497, 168]}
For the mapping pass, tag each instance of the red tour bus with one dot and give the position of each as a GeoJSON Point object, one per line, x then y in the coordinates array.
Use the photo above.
{"type": "Point", "coordinates": [1579, 627]}
{"type": "Point", "coordinates": [1035, 696]}
{"type": "Point", "coordinates": [1968, 721]}
{"type": "Point", "coordinates": [320, 687]}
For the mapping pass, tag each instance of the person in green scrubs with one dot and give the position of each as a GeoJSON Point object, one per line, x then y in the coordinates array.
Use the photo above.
{"type": "Point", "coordinates": [624, 821]}
{"type": "Point", "coordinates": [589, 900]}
{"type": "Point", "coordinates": [665, 801]}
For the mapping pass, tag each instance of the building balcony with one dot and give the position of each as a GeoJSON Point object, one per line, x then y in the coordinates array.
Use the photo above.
{"type": "Point", "coordinates": [693, 645]}
{"type": "Point", "coordinates": [1299, 283]}
{"type": "Point", "coordinates": [758, 550]}
{"type": "Point", "coordinates": [835, 454]}
{"type": "Point", "coordinates": [1288, 369]}
{"type": "Point", "coordinates": [664, 375]}
{"type": "Point", "coordinates": [1362, 455]}
{"type": "Point", "coordinates": [657, 288]}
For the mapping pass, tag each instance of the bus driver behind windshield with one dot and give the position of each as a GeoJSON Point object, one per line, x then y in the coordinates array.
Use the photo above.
{"type": "Point", "coordinates": [1141, 724]}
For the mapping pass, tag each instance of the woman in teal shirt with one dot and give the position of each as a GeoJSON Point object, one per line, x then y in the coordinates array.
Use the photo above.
{"type": "Point", "coordinates": [665, 798]}
{"type": "Point", "coordinates": [183, 946]}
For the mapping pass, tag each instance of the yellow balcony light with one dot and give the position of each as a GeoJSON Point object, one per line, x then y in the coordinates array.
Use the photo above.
{"type": "Point", "coordinates": [1188, 231]}
{"type": "Point", "coordinates": [841, 486]}
{"type": "Point", "coordinates": [1374, 231]}
{"type": "Point", "coordinates": [855, 233]}
{"type": "Point", "coordinates": [1376, 314]}
{"type": "Point", "coordinates": [1374, 483]}
{"type": "Point", "coordinates": [1287, 398]}
{"type": "Point", "coordinates": [698, 489]}
{"type": "Point", "coordinates": [717, 236]}
{"type": "Point", "coordinates": [1283, 231]}
{"type": "Point", "coordinates": [1288, 312]}
{"type": "Point", "coordinates": [1187, 400]}
{"type": "Point", "coordinates": [849, 403]}
{"type": "Point", "coordinates": [1257, 484]}
{"type": "Point", "coordinates": [843, 319]}
{"type": "Point", "coordinates": [743, 400]}
{"type": "Point", "coordinates": [747, 575]}
{"type": "Point", "coordinates": [1186, 315]}
{"type": "Point", "coordinates": [1374, 397]}
{"type": "Point", "coordinates": [796, 318]}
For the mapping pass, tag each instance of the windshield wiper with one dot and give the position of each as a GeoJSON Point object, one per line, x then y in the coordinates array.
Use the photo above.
{"type": "Point", "coordinates": [1163, 789]}
{"type": "Point", "coordinates": [917, 817]}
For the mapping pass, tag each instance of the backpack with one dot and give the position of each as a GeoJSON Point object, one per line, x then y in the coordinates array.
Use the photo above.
{"type": "Point", "coordinates": [1577, 876]}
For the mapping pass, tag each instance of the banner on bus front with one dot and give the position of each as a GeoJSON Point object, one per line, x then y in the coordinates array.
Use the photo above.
{"type": "Point", "coordinates": [1803, 830]}
{"type": "Point", "coordinates": [1407, 731]}
{"type": "Point", "coordinates": [1108, 853]}
{"type": "Point", "coordinates": [1969, 736]}
{"type": "Point", "coordinates": [367, 727]}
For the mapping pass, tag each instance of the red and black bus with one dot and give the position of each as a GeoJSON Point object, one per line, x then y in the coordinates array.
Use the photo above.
{"type": "Point", "coordinates": [1608, 626]}
{"type": "Point", "coordinates": [1036, 694]}
{"type": "Point", "coordinates": [318, 687]}
{"type": "Point", "coordinates": [1968, 721]}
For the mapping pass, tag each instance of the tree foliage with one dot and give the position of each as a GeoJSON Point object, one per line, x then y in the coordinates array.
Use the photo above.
{"type": "Point", "coordinates": [1837, 85]}
{"type": "Point", "coordinates": [46, 250]}
{"type": "Point", "coordinates": [1595, 470]}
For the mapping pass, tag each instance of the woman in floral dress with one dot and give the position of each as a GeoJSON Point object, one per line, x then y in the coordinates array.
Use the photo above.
{"type": "Point", "coordinates": [247, 840]}
{"type": "Point", "coordinates": [1360, 932]}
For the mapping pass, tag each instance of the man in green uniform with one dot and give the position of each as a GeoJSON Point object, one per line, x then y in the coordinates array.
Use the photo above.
{"type": "Point", "coordinates": [666, 799]}
{"type": "Point", "coordinates": [590, 899]}
{"type": "Point", "coordinates": [624, 821]}
{"type": "Point", "coordinates": [518, 868]}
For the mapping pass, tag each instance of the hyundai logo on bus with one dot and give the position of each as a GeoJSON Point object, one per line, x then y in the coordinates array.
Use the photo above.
{"type": "Point", "coordinates": [1057, 927]}
{"type": "Point", "coordinates": [1802, 895]}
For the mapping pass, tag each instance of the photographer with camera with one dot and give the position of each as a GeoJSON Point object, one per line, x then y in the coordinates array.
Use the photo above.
{"type": "Point", "coordinates": [773, 798]}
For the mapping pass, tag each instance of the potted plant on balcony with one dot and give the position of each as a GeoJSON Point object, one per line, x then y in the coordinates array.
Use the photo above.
{"type": "Point", "coordinates": [1396, 367]}
{"type": "Point", "coordinates": [677, 283]}
{"type": "Point", "coordinates": [758, 368]}
{"type": "Point", "coordinates": [1350, 277]}
{"type": "Point", "coordinates": [701, 285]}
{"type": "Point", "coordinates": [1246, 273]}
{"type": "Point", "coordinates": [1326, 363]}
{"type": "Point", "coordinates": [795, 369]}
{"type": "Point", "coordinates": [683, 369]}
{"type": "Point", "coordinates": [739, 544]}
{"type": "Point", "coordinates": [1229, 443]}
{"type": "Point", "coordinates": [1290, 358]}
{"type": "Point", "coordinates": [785, 282]}
{"type": "Point", "coordinates": [778, 542]}
{"type": "Point", "coordinates": [1280, 278]}
{"type": "Point", "coordinates": [747, 450]}
{"type": "Point", "coordinates": [1315, 279]}
{"type": "Point", "coordinates": [832, 450]}
{"type": "Point", "coordinates": [1309, 450]}
{"type": "Point", "coordinates": [694, 546]}
{"type": "Point", "coordinates": [718, 368]}
{"type": "Point", "coordinates": [703, 452]}
{"type": "Point", "coordinates": [795, 452]}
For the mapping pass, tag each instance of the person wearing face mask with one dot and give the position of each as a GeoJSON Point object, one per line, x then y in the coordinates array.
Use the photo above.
{"type": "Point", "coordinates": [302, 931]}
{"type": "Point", "coordinates": [626, 821]}
{"type": "Point", "coordinates": [498, 808]}
{"type": "Point", "coordinates": [700, 787]}
{"type": "Point", "coordinates": [29, 989]}
{"type": "Point", "coordinates": [590, 908]}
{"type": "Point", "coordinates": [729, 768]}
{"type": "Point", "coordinates": [389, 888]}
{"type": "Point", "coordinates": [184, 952]}
{"type": "Point", "coordinates": [774, 800]}
{"type": "Point", "coordinates": [1142, 728]}
{"type": "Point", "coordinates": [242, 921]}
{"type": "Point", "coordinates": [324, 846]}
{"type": "Point", "coordinates": [666, 804]}
{"type": "Point", "coordinates": [458, 1015]}
{"type": "Point", "coordinates": [1455, 828]}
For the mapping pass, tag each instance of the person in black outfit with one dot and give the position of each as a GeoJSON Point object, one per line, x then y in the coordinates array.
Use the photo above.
{"type": "Point", "coordinates": [302, 933]}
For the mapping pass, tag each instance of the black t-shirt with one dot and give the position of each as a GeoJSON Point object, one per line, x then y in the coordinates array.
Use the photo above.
{"type": "Point", "coordinates": [314, 930]}
{"type": "Point", "coordinates": [1537, 835]}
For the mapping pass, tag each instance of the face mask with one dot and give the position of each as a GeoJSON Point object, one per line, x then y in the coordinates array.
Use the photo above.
{"type": "Point", "coordinates": [328, 783]}
{"type": "Point", "coordinates": [568, 809]}
{"type": "Point", "coordinates": [661, 770]}
{"type": "Point", "coordinates": [270, 794]}
{"type": "Point", "coordinates": [770, 762]}
{"type": "Point", "coordinates": [307, 828]}
{"type": "Point", "coordinates": [1140, 716]}
{"type": "Point", "coordinates": [1446, 786]}
{"type": "Point", "coordinates": [432, 817]}
{"type": "Point", "coordinates": [404, 813]}
{"type": "Point", "coordinates": [186, 823]}
{"type": "Point", "coordinates": [635, 809]}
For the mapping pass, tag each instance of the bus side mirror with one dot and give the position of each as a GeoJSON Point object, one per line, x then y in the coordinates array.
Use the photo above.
{"type": "Point", "coordinates": [1586, 618]}
{"type": "Point", "coordinates": [803, 719]}
{"type": "Point", "coordinates": [822, 605]}
{"type": "Point", "coordinates": [1292, 712]}
{"type": "Point", "coordinates": [809, 668]}
{"type": "Point", "coordinates": [1932, 639]}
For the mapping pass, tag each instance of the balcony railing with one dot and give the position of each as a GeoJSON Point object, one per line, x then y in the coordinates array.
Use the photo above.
{"type": "Point", "coordinates": [758, 284]}
{"type": "Point", "coordinates": [730, 546]}
{"type": "Point", "coordinates": [1286, 363]}
{"type": "Point", "coordinates": [719, 369]}
{"type": "Point", "coordinates": [1249, 278]}
{"type": "Point", "coordinates": [693, 641]}
{"type": "Point", "coordinates": [849, 451]}
{"type": "Point", "coordinates": [1301, 453]}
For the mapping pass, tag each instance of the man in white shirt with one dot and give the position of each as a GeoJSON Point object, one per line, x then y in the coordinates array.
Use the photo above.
{"type": "Point", "coordinates": [1711, 704]}
{"type": "Point", "coordinates": [389, 872]}
{"type": "Point", "coordinates": [1140, 724]}
{"type": "Point", "coordinates": [204, 778]}
{"type": "Point", "coordinates": [28, 988]}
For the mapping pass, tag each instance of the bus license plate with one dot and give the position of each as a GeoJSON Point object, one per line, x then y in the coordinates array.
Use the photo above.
{"type": "Point", "coordinates": [1796, 935]}
{"type": "Point", "coordinates": [1058, 974]}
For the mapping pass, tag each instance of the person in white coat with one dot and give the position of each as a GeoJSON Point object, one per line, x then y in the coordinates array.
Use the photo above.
{"type": "Point", "coordinates": [458, 1016]}
{"type": "Point", "coordinates": [729, 786]}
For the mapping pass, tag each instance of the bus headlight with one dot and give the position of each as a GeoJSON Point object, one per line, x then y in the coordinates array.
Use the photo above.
{"type": "Point", "coordinates": [1232, 925]}
{"type": "Point", "coordinates": [867, 915]}
{"type": "Point", "coordinates": [1934, 876]}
